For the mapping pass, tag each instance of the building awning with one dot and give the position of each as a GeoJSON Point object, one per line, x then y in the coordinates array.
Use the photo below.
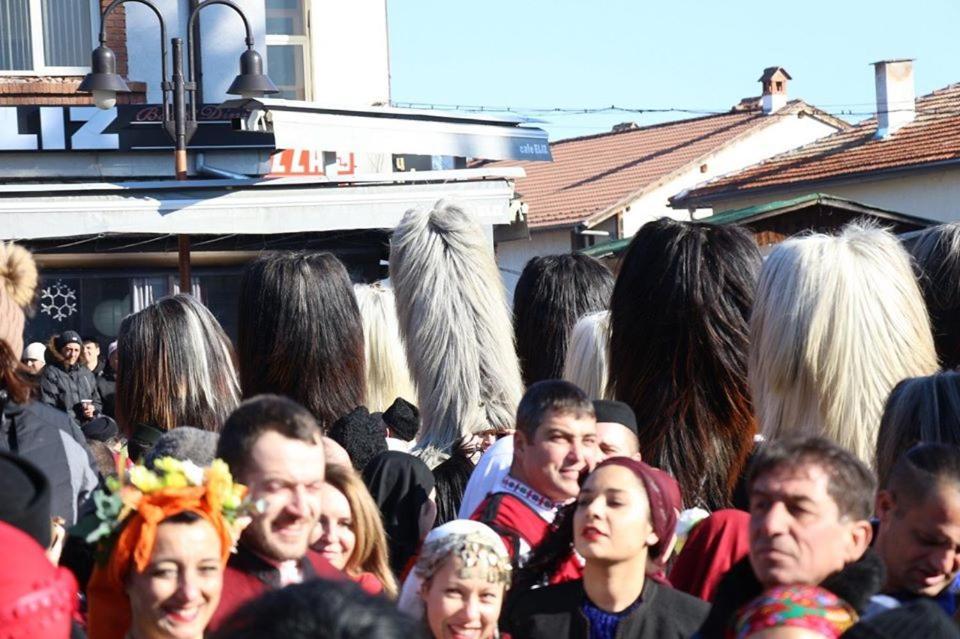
{"type": "Point", "coordinates": [251, 206]}
{"type": "Point", "coordinates": [606, 249]}
{"type": "Point", "coordinates": [780, 207]}
{"type": "Point", "coordinates": [793, 216]}
{"type": "Point", "coordinates": [305, 125]}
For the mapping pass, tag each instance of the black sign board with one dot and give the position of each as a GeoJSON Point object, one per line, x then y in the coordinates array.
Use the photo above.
{"type": "Point", "coordinates": [127, 127]}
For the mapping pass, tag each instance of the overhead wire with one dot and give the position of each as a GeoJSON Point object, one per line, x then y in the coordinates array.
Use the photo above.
{"type": "Point", "coordinates": [613, 108]}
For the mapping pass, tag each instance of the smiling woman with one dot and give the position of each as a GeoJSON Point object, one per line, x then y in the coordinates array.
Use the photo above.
{"type": "Point", "coordinates": [180, 588]}
{"type": "Point", "coordinates": [351, 534]}
{"type": "Point", "coordinates": [166, 535]}
{"type": "Point", "coordinates": [459, 581]}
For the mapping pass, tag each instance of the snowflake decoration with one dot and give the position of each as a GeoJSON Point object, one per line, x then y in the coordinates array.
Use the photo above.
{"type": "Point", "coordinates": [58, 301]}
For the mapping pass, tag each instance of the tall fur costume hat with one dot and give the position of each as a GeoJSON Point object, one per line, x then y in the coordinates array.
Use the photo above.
{"type": "Point", "coordinates": [18, 281]}
{"type": "Point", "coordinates": [456, 325]}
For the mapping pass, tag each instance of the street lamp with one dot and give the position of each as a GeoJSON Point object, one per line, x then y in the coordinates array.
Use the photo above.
{"type": "Point", "coordinates": [104, 82]}
{"type": "Point", "coordinates": [180, 124]}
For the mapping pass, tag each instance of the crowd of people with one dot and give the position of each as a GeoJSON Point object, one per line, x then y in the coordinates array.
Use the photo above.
{"type": "Point", "coordinates": [709, 443]}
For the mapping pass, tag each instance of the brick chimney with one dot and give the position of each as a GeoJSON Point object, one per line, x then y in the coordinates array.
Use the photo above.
{"type": "Point", "coordinates": [774, 81]}
{"type": "Point", "coordinates": [895, 95]}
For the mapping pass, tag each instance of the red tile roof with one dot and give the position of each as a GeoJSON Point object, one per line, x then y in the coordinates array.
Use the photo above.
{"type": "Point", "coordinates": [933, 137]}
{"type": "Point", "coordinates": [591, 174]}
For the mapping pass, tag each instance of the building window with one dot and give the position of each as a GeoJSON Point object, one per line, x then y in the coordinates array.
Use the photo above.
{"type": "Point", "coordinates": [46, 36]}
{"type": "Point", "coordinates": [288, 48]}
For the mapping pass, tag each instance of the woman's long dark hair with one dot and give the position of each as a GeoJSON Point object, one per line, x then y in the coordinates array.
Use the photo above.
{"type": "Point", "coordinates": [553, 292]}
{"type": "Point", "coordinates": [678, 351]}
{"type": "Point", "coordinates": [451, 477]}
{"type": "Point", "coordinates": [547, 557]}
{"type": "Point", "coordinates": [300, 334]}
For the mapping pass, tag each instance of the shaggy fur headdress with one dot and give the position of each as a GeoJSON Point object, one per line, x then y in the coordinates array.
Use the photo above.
{"type": "Point", "coordinates": [387, 375]}
{"type": "Point", "coordinates": [936, 255]}
{"type": "Point", "coordinates": [838, 322]}
{"type": "Point", "coordinates": [456, 326]}
{"type": "Point", "coordinates": [18, 276]}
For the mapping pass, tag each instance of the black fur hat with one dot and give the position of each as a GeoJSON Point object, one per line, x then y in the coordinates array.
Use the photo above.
{"type": "Point", "coordinates": [362, 435]}
{"type": "Point", "coordinates": [403, 418]}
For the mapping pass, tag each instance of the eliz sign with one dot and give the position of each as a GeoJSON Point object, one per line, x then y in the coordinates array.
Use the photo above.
{"type": "Point", "coordinates": [128, 127]}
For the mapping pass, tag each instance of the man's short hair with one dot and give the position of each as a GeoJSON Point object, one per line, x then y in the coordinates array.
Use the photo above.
{"type": "Point", "coordinates": [551, 396]}
{"type": "Point", "coordinates": [920, 470]}
{"type": "Point", "coordinates": [259, 415]}
{"type": "Point", "coordinates": [851, 483]}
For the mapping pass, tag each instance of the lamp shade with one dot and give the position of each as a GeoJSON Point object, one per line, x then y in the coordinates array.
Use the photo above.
{"type": "Point", "coordinates": [103, 75]}
{"type": "Point", "coordinates": [252, 82]}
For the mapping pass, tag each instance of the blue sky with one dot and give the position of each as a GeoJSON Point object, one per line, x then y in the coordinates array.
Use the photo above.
{"type": "Point", "coordinates": [702, 55]}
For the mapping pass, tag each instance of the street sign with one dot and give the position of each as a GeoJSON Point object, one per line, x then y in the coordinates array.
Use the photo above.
{"type": "Point", "coordinates": [128, 127]}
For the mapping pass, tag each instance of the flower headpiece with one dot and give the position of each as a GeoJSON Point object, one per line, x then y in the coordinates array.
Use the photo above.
{"type": "Point", "coordinates": [140, 485]}
{"type": "Point", "coordinates": [129, 512]}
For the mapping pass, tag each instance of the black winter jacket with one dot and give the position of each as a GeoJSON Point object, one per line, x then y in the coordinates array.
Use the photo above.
{"type": "Point", "coordinates": [855, 584]}
{"type": "Point", "coordinates": [55, 444]}
{"type": "Point", "coordinates": [107, 385]}
{"type": "Point", "coordinates": [555, 611]}
{"type": "Point", "coordinates": [63, 387]}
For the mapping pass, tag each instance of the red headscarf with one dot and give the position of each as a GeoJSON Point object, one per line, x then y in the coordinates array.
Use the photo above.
{"type": "Point", "coordinates": [37, 599]}
{"type": "Point", "coordinates": [663, 493]}
{"type": "Point", "coordinates": [712, 548]}
{"type": "Point", "coordinates": [109, 606]}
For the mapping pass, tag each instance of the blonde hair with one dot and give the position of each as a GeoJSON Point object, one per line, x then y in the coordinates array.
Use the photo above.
{"type": "Point", "coordinates": [387, 374]}
{"type": "Point", "coordinates": [586, 361]}
{"type": "Point", "coordinates": [838, 322]}
{"type": "Point", "coordinates": [370, 551]}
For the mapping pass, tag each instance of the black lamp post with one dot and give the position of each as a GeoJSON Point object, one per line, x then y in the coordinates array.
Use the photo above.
{"type": "Point", "coordinates": [180, 123]}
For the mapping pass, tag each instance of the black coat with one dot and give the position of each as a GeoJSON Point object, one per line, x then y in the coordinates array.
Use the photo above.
{"type": "Point", "coordinates": [55, 444]}
{"type": "Point", "coordinates": [555, 611]}
{"type": "Point", "coordinates": [855, 584]}
{"type": "Point", "coordinates": [107, 386]}
{"type": "Point", "coordinates": [63, 387]}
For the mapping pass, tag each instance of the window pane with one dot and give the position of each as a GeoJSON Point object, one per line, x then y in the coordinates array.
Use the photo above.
{"type": "Point", "coordinates": [15, 43]}
{"type": "Point", "coordinates": [66, 33]}
{"type": "Point", "coordinates": [285, 17]}
{"type": "Point", "coordinates": [285, 67]}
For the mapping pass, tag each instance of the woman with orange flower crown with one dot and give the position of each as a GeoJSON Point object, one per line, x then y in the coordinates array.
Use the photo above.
{"type": "Point", "coordinates": [165, 536]}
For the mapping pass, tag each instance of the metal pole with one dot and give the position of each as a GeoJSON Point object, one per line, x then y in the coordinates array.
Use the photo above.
{"type": "Point", "coordinates": [180, 155]}
{"type": "Point", "coordinates": [183, 263]}
{"type": "Point", "coordinates": [179, 111]}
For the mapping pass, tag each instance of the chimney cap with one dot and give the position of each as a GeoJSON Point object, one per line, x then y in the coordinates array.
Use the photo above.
{"type": "Point", "coordinates": [892, 61]}
{"type": "Point", "coordinates": [769, 72]}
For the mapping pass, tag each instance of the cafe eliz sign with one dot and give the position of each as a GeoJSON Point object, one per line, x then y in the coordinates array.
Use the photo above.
{"type": "Point", "coordinates": [134, 127]}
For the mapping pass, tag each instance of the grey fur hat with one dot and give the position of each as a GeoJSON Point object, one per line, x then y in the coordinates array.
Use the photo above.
{"type": "Point", "coordinates": [185, 443]}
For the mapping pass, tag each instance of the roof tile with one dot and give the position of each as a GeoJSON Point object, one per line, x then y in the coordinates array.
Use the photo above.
{"type": "Point", "coordinates": [934, 136]}
{"type": "Point", "coordinates": [590, 174]}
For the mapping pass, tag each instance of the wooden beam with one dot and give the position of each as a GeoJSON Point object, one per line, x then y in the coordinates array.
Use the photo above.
{"type": "Point", "coordinates": [142, 260]}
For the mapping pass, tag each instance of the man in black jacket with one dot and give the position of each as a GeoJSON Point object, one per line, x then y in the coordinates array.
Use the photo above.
{"type": "Point", "coordinates": [67, 384]}
{"type": "Point", "coordinates": [810, 507]}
